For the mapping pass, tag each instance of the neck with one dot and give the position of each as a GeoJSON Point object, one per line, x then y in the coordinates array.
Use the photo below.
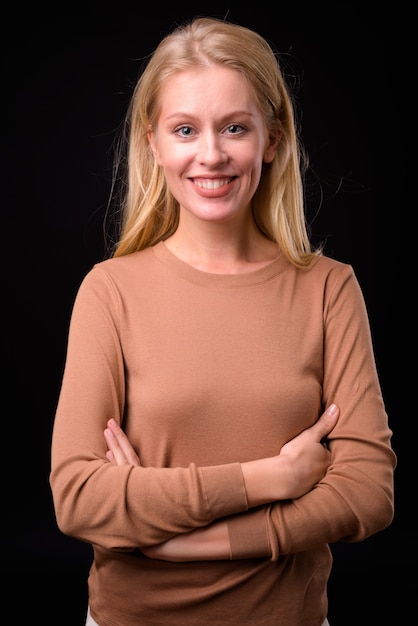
{"type": "Point", "coordinates": [217, 248]}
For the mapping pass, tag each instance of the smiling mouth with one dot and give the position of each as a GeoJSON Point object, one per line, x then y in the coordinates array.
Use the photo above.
{"type": "Point", "coordinates": [210, 183]}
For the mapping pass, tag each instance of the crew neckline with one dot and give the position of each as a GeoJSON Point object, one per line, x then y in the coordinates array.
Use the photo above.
{"type": "Point", "coordinates": [200, 277]}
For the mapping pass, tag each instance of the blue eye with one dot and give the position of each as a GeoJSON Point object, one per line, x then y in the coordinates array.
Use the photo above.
{"type": "Point", "coordinates": [235, 129]}
{"type": "Point", "coordinates": [184, 131]}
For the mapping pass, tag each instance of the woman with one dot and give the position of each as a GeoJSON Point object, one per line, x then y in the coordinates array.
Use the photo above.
{"type": "Point", "coordinates": [217, 351]}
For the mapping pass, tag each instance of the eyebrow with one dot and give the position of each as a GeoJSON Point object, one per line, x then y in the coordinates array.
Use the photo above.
{"type": "Point", "coordinates": [231, 114]}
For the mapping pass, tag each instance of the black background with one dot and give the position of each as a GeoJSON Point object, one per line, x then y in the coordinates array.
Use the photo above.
{"type": "Point", "coordinates": [67, 80]}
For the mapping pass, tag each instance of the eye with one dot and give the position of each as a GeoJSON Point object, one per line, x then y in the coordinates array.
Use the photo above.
{"type": "Point", "coordinates": [184, 131]}
{"type": "Point", "coordinates": [235, 129]}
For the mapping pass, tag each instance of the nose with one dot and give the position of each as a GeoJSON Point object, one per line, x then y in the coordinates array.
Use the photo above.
{"type": "Point", "coordinates": [211, 150]}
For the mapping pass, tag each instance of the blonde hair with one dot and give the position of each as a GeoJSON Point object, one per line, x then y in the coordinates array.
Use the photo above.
{"type": "Point", "coordinates": [149, 211]}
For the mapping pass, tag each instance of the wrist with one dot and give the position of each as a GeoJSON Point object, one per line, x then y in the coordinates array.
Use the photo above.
{"type": "Point", "coordinates": [266, 480]}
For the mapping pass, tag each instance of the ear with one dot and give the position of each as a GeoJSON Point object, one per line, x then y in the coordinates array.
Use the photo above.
{"type": "Point", "coordinates": [153, 144]}
{"type": "Point", "coordinates": [271, 148]}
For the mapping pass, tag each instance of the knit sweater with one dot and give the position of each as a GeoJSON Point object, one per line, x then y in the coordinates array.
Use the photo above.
{"type": "Point", "coordinates": [204, 372]}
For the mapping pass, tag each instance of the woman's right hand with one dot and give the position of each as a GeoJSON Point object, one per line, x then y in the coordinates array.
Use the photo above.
{"type": "Point", "coordinates": [301, 464]}
{"type": "Point", "coordinates": [120, 450]}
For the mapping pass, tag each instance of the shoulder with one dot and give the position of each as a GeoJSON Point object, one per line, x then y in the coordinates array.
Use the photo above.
{"type": "Point", "coordinates": [134, 260]}
{"type": "Point", "coordinates": [332, 278]}
{"type": "Point", "coordinates": [327, 270]}
{"type": "Point", "coordinates": [327, 265]}
{"type": "Point", "coordinates": [124, 268]}
{"type": "Point", "coordinates": [339, 285]}
{"type": "Point", "coordinates": [119, 275]}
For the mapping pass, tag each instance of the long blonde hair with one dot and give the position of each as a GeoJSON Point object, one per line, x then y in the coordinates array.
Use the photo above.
{"type": "Point", "coordinates": [149, 211]}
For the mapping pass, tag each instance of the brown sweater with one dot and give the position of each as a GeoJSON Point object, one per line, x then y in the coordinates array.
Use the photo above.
{"type": "Point", "coordinates": [205, 371]}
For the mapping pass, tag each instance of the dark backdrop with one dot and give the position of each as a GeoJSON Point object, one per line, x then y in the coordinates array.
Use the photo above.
{"type": "Point", "coordinates": [66, 86]}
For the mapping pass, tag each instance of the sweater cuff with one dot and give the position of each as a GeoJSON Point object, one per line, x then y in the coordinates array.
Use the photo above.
{"type": "Point", "coordinates": [248, 536]}
{"type": "Point", "coordinates": [224, 489]}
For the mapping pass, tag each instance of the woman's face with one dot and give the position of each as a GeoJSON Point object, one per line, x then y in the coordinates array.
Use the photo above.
{"type": "Point", "coordinates": [211, 141]}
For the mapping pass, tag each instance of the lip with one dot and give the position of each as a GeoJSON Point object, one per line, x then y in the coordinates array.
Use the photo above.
{"type": "Point", "coordinates": [210, 186]}
{"type": "Point", "coordinates": [212, 183]}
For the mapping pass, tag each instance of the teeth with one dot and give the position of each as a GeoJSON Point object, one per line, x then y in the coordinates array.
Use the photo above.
{"type": "Point", "coordinates": [211, 184]}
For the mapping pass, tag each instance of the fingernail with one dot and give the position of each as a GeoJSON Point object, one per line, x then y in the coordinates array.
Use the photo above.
{"type": "Point", "coordinates": [332, 409]}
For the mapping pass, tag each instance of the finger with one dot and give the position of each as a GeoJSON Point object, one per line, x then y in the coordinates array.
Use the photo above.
{"type": "Point", "coordinates": [326, 422]}
{"type": "Point", "coordinates": [120, 445]}
{"type": "Point", "coordinates": [124, 443]}
{"type": "Point", "coordinates": [110, 457]}
{"type": "Point", "coordinates": [114, 449]}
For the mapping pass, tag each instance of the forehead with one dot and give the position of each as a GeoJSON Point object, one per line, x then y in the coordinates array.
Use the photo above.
{"type": "Point", "coordinates": [214, 84]}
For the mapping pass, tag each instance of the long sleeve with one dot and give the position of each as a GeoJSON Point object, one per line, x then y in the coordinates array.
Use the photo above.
{"type": "Point", "coordinates": [120, 507]}
{"type": "Point", "coordinates": [355, 499]}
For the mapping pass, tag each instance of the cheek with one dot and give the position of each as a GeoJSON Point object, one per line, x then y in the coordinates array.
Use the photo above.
{"type": "Point", "coordinates": [166, 153]}
{"type": "Point", "coordinates": [250, 156]}
{"type": "Point", "coordinates": [256, 168]}
{"type": "Point", "coordinates": [254, 163]}
{"type": "Point", "coordinates": [174, 159]}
